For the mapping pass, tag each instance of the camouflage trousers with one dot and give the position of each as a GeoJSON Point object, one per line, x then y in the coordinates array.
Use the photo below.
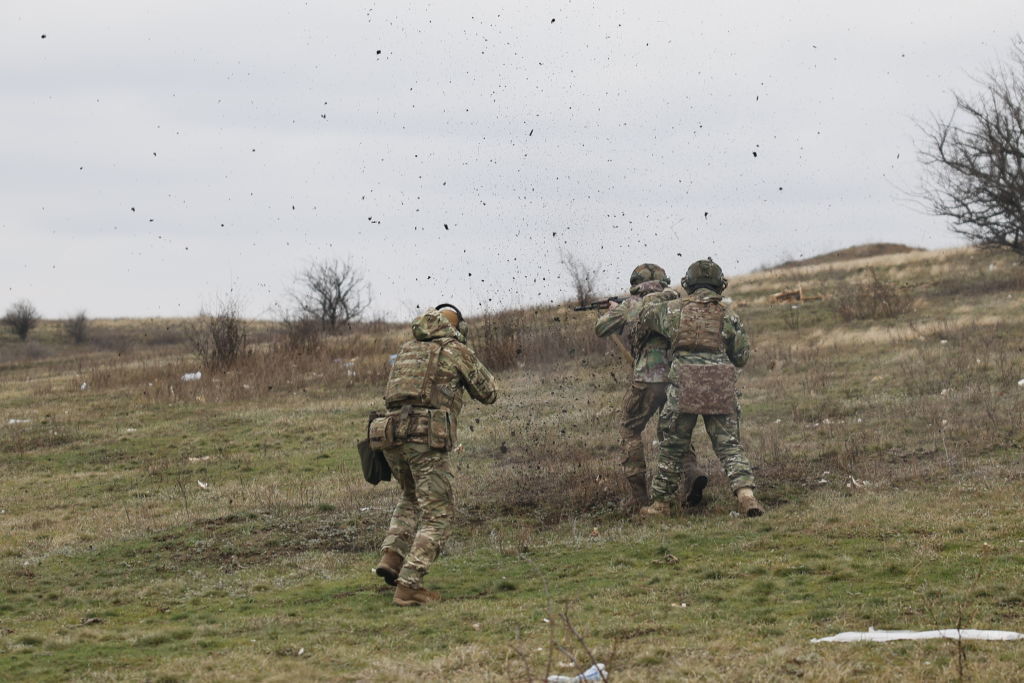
{"type": "Point", "coordinates": [676, 433]}
{"type": "Point", "coordinates": [643, 400]}
{"type": "Point", "coordinates": [421, 522]}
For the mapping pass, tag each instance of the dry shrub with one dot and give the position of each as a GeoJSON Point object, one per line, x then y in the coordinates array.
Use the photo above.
{"type": "Point", "coordinates": [1005, 279]}
{"type": "Point", "coordinates": [352, 360]}
{"type": "Point", "coordinates": [548, 486]}
{"type": "Point", "coordinates": [218, 340]}
{"type": "Point", "coordinates": [22, 317]}
{"type": "Point", "coordinates": [876, 299]}
{"type": "Point", "coordinates": [77, 327]}
{"type": "Point", "coordinates": [302, 334]}
{"type": "Point", "coordinates": [533, 337]}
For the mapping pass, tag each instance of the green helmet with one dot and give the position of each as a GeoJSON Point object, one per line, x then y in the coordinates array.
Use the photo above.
{"type": "Point", "coordinates": [647, 272]}
{"type": "Point", "coordinates": [705, 273]}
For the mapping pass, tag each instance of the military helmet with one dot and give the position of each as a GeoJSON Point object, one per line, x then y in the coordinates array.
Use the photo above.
{"type": "Point", "coordinates": [705, 273]}
{"type": "Point", "coordinates": [647, 272]}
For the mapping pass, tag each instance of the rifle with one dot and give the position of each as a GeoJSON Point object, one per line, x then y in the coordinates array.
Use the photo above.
{"type": "Point", "coordinates": [600, 304]}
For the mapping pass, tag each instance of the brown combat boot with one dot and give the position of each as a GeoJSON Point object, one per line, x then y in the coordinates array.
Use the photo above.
{"type": "Point", "coordinates": [694, 481]}
{"type": "Point", "coordinates": [389, 566]}
{"type": "Point", "coordinates": [658, 508]}
{"type": "Point", "coordinates": [638, 487]}
{"type": "Point", "coordinates": [414, 597]}
{"type": "Point", "coordinates": [747, 504]}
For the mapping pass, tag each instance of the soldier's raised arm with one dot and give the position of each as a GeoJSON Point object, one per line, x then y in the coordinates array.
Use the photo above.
{"type": "Point", "coordinates": [611, 322]}
{"type": "Point", "coordinates": [654, 316]}
{"type": "Point", "coordinates": [737, 343]}
{"type": "Point", "coordinates": [477, 379]}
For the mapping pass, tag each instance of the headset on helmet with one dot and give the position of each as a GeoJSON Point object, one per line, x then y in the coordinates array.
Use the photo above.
{"type": "Point", "coordinates": [447, 310]}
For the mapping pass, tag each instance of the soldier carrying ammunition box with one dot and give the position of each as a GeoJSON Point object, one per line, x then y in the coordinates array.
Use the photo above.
{"type": "Point", "coordinates": [417, 431]}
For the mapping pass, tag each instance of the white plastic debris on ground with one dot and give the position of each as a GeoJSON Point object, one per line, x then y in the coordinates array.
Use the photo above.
{"type": "Point", "coordinates": [16, 421]}
{"type": "Point", "coordinates": [192, 376]}
{"type": "Point", "coordinates": [594, 673]}
{"type": "Point", "coordinates": [392, 358]}
{"type": "Point", "coordinates": [1020, 383]}
{"type": "Point", "coordinates": [951, 633]}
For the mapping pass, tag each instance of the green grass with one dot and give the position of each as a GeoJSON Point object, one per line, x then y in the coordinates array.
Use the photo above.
{"type": "Point", "coordinates": [890, 464]}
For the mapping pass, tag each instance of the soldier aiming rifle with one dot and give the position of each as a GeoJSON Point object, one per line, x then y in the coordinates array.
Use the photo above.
{"type": "Point", "coordinates": [649, 356]}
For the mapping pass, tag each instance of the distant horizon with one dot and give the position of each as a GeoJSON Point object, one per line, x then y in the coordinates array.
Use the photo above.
{"type": "Point", "coordinates": [568, 297]}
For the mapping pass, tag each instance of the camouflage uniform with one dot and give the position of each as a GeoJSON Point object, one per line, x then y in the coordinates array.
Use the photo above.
{"type": "Point", "coordinates": [676, 424]}
{"type": "Point", "coordinates": [646, 393]}
{"type": "Point", "coordinates": [422, 432]}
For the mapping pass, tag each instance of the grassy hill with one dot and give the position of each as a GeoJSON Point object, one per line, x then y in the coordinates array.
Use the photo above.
{"type": "Point", "coordinates": [887, 449]}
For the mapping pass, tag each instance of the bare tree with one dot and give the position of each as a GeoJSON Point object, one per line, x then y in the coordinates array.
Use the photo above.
{"type": "Point", "coordinates": [77, 327]}
{"type": "Point", "coordinates": [333, 293]}
{"type": "Point", "coordinates": [21, 317]}
{"type": "Point", "coordinates": [582, 276]}
{"type": "Point", "coordinates": [974, 159]}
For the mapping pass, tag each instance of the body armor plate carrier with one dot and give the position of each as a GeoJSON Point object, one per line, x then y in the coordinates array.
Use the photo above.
{"type": "Point", "coordinates": [413, 380]}
{"type": "Point", "coordinates": [700, 327]}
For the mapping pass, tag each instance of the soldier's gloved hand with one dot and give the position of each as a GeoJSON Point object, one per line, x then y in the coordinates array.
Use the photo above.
{"type": "Point", "coordinates": [612, 304]}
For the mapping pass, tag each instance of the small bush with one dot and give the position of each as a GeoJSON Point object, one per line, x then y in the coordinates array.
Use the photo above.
{"type": "Point", "coordinates": [302, 334]}
{"type": "Point", "coordinates": [77, 327]}
{"type": "Point", "coordinates": [219, 340]}
{"type": "Point", "coordinates": [876, 299]}
{"type": "Point", "coordinates": [22, 317]}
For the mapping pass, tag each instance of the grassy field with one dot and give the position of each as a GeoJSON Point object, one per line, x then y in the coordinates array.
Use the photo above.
{"type": "Point", "coordinates": [156, 529]}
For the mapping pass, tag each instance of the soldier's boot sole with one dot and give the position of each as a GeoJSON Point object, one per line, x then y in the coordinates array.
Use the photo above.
{"type": "Point", "coordinates": [748, 504]}
{"type": "Point", "coordinates": [389, 567]}
{"type": "Point", "coordinates": [695, 494]}
{"type": "Point", "coordinates": [414, 597]}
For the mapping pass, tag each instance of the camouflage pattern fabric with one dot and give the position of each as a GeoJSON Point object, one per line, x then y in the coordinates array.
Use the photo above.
{"type": "Point", "coordinates": [648, 272]}
{"type": "Point", "coordinates": [706, 389]}
{"type": "Point", "coordinates": [675, 425]}
{"type": "Point", "coordinates": [664, 318]}
{"type": "Point", "coordinates": [651, 352]}
{"type": "Point", "coordinates": [458, 368]}
{"type": "Point", "coordinates": [642, 401]}
{"type": "Point", "coordinates": [675, 445]}
{"type": "Point", "coordinates": [421, 522]}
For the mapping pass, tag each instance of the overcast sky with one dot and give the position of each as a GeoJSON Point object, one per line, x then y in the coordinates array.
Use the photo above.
{"type": "Point", "coordinates": [158, 156]}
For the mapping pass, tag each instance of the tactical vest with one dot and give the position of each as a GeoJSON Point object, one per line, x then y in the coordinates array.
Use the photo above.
{"type": "Point", "coordinates": [701, 323]}
{"type": "Point", "coordinates": [414, 379]}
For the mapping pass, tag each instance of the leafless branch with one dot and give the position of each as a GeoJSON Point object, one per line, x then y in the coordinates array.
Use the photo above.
{"type": "Point", "coordinates": [974, 158]}
{"type": "Point", "coordinates": [333, 293]}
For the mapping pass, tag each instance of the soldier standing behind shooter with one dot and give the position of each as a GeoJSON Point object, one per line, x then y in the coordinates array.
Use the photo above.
{"type": "Point", "coordinates": [424, 396]}
{"type": "Point", "coordinates": [647, 391]}
{"type": "Point", "coordinates": [708, 343]}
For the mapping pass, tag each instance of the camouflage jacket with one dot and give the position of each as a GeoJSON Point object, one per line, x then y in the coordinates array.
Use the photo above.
{"type": "Point", "coordinates": [458, 368]}
{"type": "Point", "coordinates": [663, 319]}
{"type": "Point", "coordinates": [651, 351]}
